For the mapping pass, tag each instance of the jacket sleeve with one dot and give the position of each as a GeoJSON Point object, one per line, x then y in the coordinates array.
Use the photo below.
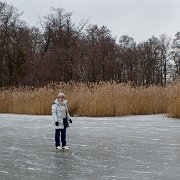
{"type": "Point", "coordinates": [68, 116]}
{"type": "Point", "coordinates": [54, 112]}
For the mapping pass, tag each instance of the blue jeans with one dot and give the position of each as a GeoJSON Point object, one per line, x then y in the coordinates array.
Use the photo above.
{"type": "Point", "coordinates": [61, 132]}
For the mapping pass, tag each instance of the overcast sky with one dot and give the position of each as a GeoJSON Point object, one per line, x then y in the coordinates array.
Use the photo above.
{"type": "Point", "coordinates": [139, 19]}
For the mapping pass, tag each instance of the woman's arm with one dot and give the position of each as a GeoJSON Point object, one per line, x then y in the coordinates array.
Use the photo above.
{"type": "Point", "coordinates": [54, 112]}
{"type": "Point", "coordinates": [68, 115]}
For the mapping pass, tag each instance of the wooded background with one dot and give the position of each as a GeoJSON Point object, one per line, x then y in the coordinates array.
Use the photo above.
{"type": "Point", "coordinates": [59, 50]}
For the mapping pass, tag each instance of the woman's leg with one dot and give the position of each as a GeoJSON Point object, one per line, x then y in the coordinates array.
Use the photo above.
{"type": "Point", "coordinates": [57, 135]}
{"type": "Point", "coordinates": [63, 137]}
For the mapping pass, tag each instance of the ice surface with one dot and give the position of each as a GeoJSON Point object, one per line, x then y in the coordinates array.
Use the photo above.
{"type": "Point", "coordinates": [128, 148]}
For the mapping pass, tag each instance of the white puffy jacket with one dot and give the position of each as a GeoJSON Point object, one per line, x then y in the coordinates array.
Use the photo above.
{"type": "Point", "coordinates": [58, 115]}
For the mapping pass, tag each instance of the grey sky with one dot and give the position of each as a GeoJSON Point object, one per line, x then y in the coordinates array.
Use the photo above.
{"type": "Point", "coordinates": [138, 18]}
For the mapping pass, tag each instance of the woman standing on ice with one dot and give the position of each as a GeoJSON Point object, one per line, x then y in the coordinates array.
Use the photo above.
{"type": "Point", "coordinates": [61, 119]}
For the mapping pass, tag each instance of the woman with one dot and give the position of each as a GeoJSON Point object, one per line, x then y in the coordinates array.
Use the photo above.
{"type": "Point", "coordinates": [61, 119]}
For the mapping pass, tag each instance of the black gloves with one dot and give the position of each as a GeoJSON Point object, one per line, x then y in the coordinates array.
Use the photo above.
{"type": "Point", "coordinates": [57, 123]}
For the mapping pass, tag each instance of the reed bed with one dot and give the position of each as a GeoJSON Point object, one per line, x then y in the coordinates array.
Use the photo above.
{"type": "Point", "coordinates": [173, 108]}
{"type": "Point", "coordinates": [93, 99]}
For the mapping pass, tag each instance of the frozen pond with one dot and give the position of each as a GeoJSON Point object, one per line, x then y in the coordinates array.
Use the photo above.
{"type": "Point", "coordinates": [125, 148]}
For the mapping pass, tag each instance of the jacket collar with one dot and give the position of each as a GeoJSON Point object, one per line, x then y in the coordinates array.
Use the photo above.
{"type": "Point", "coordinates": [57, 102]}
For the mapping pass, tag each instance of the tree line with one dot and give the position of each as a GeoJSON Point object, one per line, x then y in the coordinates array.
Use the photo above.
{"type": "Point", "coordinates": [60, 50]}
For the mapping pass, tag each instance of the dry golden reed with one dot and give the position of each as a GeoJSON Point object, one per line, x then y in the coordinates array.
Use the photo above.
{"type": "Point", "coordinates": [93, 99]}
{"type": "Point", "coordinates": [173, 108]}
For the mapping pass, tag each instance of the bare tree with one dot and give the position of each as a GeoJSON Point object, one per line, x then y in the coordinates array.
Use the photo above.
{"type": "Point", "coordinates": [176, 53]}
{"type": "Point", "coordinates": [14, 44]}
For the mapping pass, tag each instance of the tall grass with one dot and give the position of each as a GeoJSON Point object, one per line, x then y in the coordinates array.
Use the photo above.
{"type": "Point", "coordinates": [173, 108]}
{"type": "Point", "coordinates": [93, 99]}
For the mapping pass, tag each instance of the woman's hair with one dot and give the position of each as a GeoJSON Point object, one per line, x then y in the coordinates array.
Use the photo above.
{"type": "Point", "coordinates": [61, 95]}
